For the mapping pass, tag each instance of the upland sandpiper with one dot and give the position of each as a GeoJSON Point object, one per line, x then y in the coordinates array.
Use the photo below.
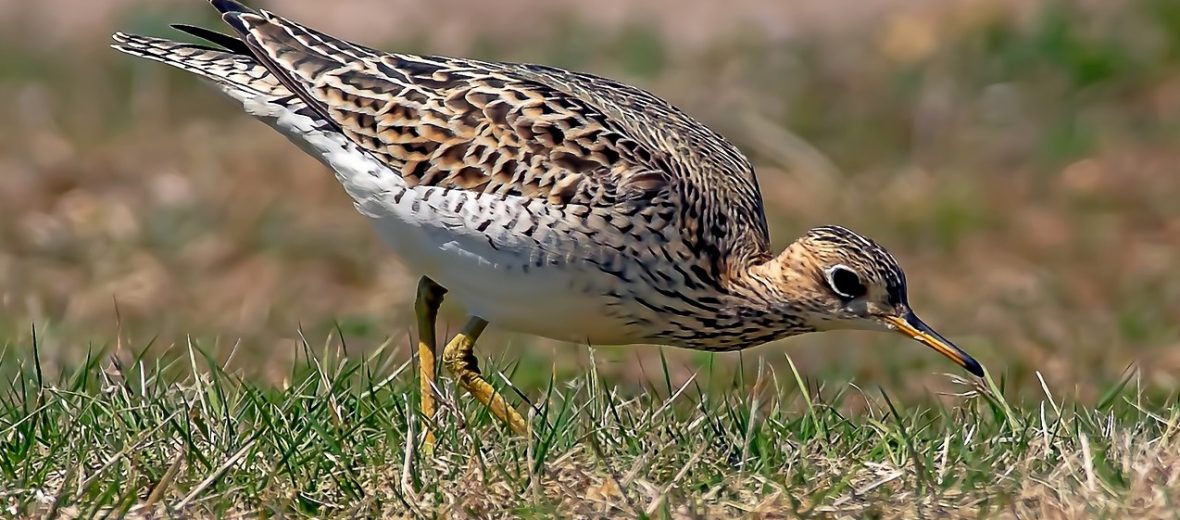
{"type": "Point", "coordinates": [549, 202]}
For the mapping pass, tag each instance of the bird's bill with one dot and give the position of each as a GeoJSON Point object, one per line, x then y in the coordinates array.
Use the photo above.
{"type": "Point", "coordinates": [911, 326]}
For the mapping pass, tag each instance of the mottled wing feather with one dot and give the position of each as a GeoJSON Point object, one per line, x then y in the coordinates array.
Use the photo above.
{"type": "Point", "coordinates": [705, 159]}
{"type": "Point", "coordinates": [462, 124]}
{"type": "Point", "coordinates": [510, 129]}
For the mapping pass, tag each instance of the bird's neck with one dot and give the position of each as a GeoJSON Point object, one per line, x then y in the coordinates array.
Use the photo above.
{"type": "Point", "coordinates": [776, 278]}
{"type": "Point", "coordinates": [768, 300]}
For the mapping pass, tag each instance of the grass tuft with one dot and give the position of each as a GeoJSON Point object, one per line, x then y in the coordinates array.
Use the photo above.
{"type": "Point", "coordinates": [340, 438]}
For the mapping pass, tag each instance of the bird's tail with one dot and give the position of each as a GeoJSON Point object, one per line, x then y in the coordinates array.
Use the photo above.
{"type": "Point", "coordinates": [297, 56]}
{"type": "Point", "coordinates": [270, 66]}
{"type": "Point", "coordinates": [231, 67]}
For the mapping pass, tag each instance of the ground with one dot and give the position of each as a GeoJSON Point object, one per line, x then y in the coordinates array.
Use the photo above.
{"type": "Point", "coordinates": [194, 320]}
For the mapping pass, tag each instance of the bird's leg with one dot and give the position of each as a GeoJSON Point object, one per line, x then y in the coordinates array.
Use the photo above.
{"type": "Point", "coordinates": [459, 358]}
{"type": "Point", "coordinates": [430, 296]}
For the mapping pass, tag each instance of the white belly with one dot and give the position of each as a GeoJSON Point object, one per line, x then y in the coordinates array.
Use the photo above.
{"type": "Point", "coordinates": [434, 236]}
{"type": "Point", "coordinates": [501, 283]}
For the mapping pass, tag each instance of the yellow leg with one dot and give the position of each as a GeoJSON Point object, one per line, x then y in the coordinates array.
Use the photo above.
{"type": "Point", "coordinates": [459, 358]}
{"type": "Point", "coordinates": [430, 296]}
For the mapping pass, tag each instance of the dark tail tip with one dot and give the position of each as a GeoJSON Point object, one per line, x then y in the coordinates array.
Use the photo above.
{"type": "Point", "coordinates": [232, 13]}
{"type": "Point", "coordinates": [226, 41]}
{"type": "Point", "coordinates": [229, 6]}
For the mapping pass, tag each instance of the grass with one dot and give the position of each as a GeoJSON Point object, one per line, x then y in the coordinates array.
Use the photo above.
{"type": "Point", "coordinates": [179, 436]}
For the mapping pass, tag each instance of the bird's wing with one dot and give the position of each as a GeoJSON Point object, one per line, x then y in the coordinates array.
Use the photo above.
{"type": "Point", "coordinates": [516, 130]}
{"type": "Point", "coordinates": [713, 173]}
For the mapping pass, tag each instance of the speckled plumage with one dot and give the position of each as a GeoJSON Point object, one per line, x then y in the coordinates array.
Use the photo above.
{"type": "Point", "coordinates": [547, 201]}
{"type": "Point", "coordinates": [673, 199]}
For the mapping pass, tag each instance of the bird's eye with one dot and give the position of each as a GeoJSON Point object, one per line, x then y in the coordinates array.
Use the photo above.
{"type": "Point", "coordinates": [845, 282]}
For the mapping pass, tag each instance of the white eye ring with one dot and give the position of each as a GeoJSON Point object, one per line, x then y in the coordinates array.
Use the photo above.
{"type": "Point", "coordinates": [830, 275]}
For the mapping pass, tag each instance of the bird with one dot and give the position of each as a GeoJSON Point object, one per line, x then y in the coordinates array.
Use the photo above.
{"type": "Point", "coordinates": [549, 202]}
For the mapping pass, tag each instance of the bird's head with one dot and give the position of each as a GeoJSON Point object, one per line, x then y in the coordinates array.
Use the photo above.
{"type": "Point", "coordinates": [841, 280]}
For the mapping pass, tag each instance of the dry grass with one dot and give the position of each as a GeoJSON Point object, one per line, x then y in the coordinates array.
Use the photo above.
{"type": "Point", "coordinates": [341, 440]}
{"type": "Point", "coordinates": [1022, 164]}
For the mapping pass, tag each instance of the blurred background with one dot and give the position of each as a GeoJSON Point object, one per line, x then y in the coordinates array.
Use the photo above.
{"type": "Point", "coordinates": [1021, 158]}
